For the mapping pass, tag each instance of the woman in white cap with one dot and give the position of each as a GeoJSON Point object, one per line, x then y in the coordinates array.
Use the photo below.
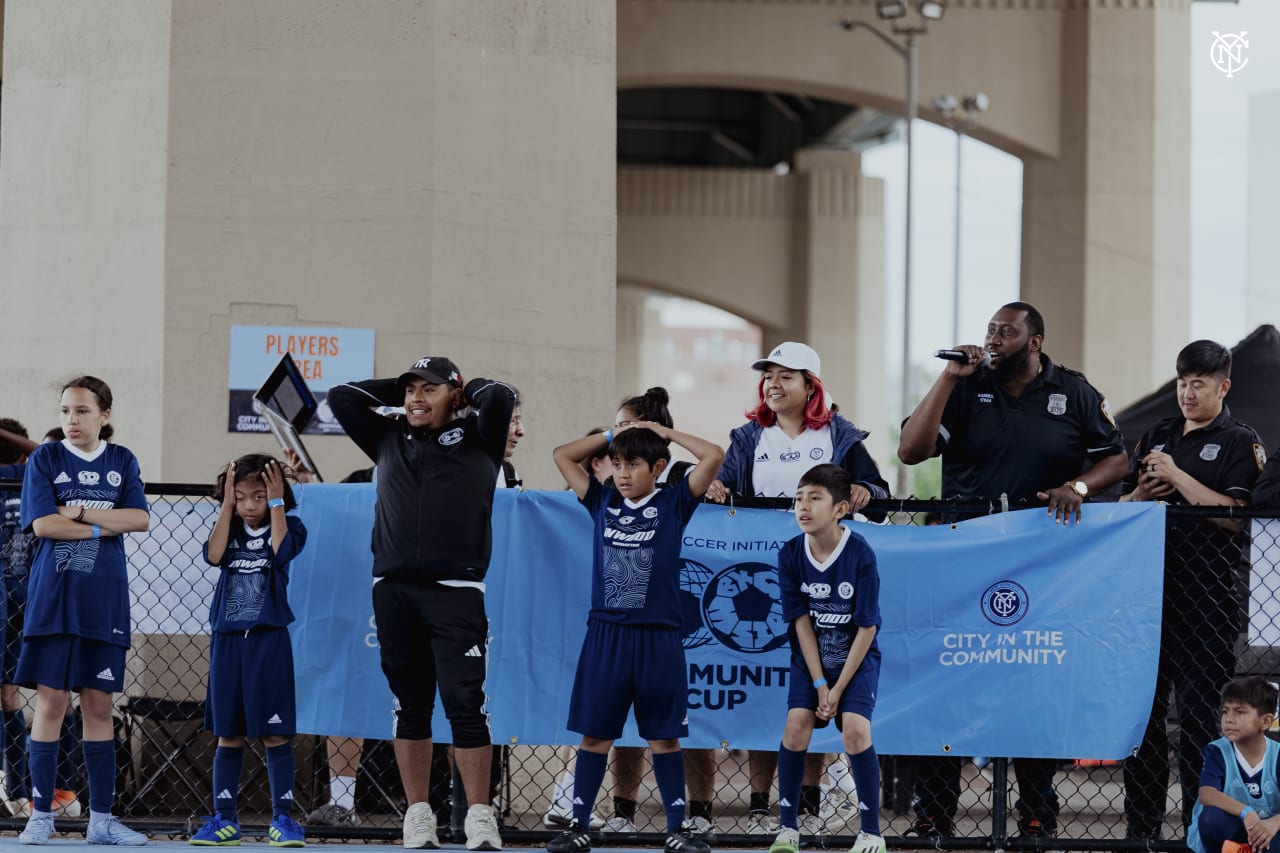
{"type": "Point", "coordinates": [791, 429]}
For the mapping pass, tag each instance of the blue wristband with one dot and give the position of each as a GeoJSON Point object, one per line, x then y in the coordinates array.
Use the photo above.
{"type": "Point", "coordinates": [1244, 811]}
{"type": "Point", "coordinates": [608, 436]}
{"type": "Point", "coordinates": [819, 682]}
{"type": "Point", "coordinates": [97, 532]}
{"type": "Point", "coordinates": [275, 502]}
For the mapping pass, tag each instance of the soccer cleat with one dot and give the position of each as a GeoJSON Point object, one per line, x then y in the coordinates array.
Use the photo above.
{"type": "Point", "coordinates": [868, 843]}
{"type": "Point", "coordinates": [927, 827]}
{"type": "Point", "coordinates": [217, 833]}
{"type": "Point", "coordinates": [760, 823]}
{"type": "Point", "coordinates": [332, 814]}
{"type": "Point", "coordinates": [286, 832]}
{"type": "Point", "coordinates": [702, 827]}
{"type": "Point", "coordinates": [482, 828]}
{"type": "Point", "coordinates": [575, 839]}
{"type": "Point", "coordinates": [38, 829]}
{"type": "Point", "coordinates": [66, 803]}
{"type": "Point", "coordinates": [685, 842]}
{"type": "Point", "coordinates": [618, 823]}
{"type": "Point", "coordinates": [420, 828]}
{"type": "Point", "coordinates": [787, 841]}
{"type": "Point", "coordinates": [111, 831]}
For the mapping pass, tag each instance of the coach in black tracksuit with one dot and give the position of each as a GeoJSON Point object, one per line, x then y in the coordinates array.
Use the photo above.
{"type": "Point", "coordinates": [431, 546]}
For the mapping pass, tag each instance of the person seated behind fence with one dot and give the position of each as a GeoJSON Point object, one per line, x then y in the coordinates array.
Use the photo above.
{"type": "Point", "coordinates": [835, 661]}
{"type": "Point", "coordinates": [251, 689]}
{"type": "Point", "coordinates": [635, 616]}
{"type": "Point", "coordinates": [1239, 802]}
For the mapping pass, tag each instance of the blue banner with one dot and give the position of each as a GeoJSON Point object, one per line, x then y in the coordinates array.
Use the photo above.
{"type": "Point", "coordinates": [1005, 635]}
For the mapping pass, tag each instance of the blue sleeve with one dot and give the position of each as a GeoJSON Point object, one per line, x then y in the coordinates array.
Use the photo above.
{"type": "Point", "coordinates": [594, 498]}
{"type": "Point", "coordinates": [295, 539]}
{"type": "Point", "coordinates": [1214, 772]}
{"type": "Point", "coordinates": [794, 602]}
{"type": "Point", "coordinates": [685, 502]}
{"type": "Point", "coordinates": [226, 552]}
{"type": "Point", "coordinates": [133, 494]}
{"type": "Point", "coordinates": [731, 470]}
{"type": "Point", "coordinates": [38, 497]}
{"type": "Point", "coordinates": [12, 472]}
{"type": "Point", "coordinates": [864, 471]}
{"type": "Point", "coordinates": [866, 608]}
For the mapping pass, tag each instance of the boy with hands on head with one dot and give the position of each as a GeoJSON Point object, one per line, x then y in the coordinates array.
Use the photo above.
{"type": "Point", "coordinates": [632, 653]}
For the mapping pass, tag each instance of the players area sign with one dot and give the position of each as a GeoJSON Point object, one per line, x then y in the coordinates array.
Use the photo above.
{"type": "Point", "coordinates": [324, 356]}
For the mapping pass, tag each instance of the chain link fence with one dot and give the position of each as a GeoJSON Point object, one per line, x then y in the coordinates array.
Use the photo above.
{"type": "Point", "coordinates": [1221, 617]}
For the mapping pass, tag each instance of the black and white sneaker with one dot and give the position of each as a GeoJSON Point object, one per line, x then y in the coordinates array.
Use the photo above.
{"type": "Point", "coordinates": [685, 842]}
{"type": "Point", "coordinates": [575, 839]}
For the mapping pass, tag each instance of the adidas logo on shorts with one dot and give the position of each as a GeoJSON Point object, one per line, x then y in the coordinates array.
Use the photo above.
{"type": "Point", "coordinates": [106, 675]}
{"type": "Point", "coordinates": [473, 652]}
{"type": "Point", "coordinates": [275, 720]}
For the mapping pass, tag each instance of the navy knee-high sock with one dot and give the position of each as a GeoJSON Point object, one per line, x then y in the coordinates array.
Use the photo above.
{"type": "Point", "coordinates": [668, 772]}
{"type": "Point", "coordinates": [790, 778]}
{"type": "Point", "coordinates": [228, 761]}
{"type": "Point", "coordinates": [866, 778]}
{"type": "Point", "coordinates": [15, 755]}
{"type": "Point", "coordinates": [588, 776]}
{"type": "Point", "coordinates": [280, 772]}
{"type": "Point", "coordinates": [100, 767]}
{"type": "Point", "coordinates": [44, 769]}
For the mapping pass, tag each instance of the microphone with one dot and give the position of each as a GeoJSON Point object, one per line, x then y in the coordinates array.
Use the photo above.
{"type": "Point", "coordinates": [957, 355]}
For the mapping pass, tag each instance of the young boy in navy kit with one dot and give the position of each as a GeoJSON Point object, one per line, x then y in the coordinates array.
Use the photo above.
{"type": "Point", "coordinates": [632, 654]}
{"type": "Point", "coordinates": [831, 596]}
{"type": "Point", "coordinates": [1239, 802]}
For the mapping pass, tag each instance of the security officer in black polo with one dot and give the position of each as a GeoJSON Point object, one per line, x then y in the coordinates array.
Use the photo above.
{"type": "Point", "coordinates": [1202, 456]}
{"type": "Point", "coordinates": [1009, 422]}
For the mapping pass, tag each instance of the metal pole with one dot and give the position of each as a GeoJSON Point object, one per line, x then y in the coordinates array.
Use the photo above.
{"type": "Point", "coordinates": [955, 284]}
{"type": "Point", "coordinates": [908, 374]}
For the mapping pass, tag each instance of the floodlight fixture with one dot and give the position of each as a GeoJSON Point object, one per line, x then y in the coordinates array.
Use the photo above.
{"type": "Point", "coordinates": [932, 10]}
{"type": "Point", "coordinates": [976, 103]}
{"type": "Point", "coordinates": [890, 10]}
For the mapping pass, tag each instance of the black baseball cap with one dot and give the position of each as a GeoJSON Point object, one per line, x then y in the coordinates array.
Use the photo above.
{"type": "Point", "coordinates": [436, 369]}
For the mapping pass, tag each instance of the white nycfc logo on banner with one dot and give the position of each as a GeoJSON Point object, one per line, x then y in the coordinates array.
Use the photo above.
{"type": "Point", "coordinates": [1057, 404]}
{"type": "Point", "coordinates": [1210, 452]}
{"type": "Point", "coordinates": [1227, 52]}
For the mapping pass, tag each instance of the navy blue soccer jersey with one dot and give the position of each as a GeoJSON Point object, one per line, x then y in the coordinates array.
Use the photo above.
{"type": "Point", "coordinates": [635, 578]}
{"type": "Point", "coordinates": [79, 587]}
{"type": "Point", "coordinates": [840, 595]}
{"type": "Point", "coordinates": [252, 591]}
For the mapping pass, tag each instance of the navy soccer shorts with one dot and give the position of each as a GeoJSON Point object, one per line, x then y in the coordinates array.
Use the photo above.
{"type": "Point", "coordinates": [251, 684]}
{"type": "Point", "coordinates": [67, 662]}
{"type": "Point", "coordinates": [622, 666]}
{"type": "Point", "coordinates": [858, 698]}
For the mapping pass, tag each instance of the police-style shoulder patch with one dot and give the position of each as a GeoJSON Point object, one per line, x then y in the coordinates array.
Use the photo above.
{"type": "Point", "coordinates": [1106, 413]}
{"type": "Point", "coordinates": [1259, 455]}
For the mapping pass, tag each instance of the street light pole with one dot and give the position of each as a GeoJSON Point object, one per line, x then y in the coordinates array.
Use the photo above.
{"type": "Point", "coordinates": [908, 50]}
{"type": "Point", "coordinates": [951, 108]}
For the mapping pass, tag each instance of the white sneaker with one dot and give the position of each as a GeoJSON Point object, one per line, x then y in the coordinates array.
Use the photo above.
{"type": "Point", "coordinates": [420, 828]}
{"type": "Point", "coordinates": [482, 828]}
{"type": "Point", "coordinates": [836, 807]}
{"type": "Point", "coordinates": [109, 830]}
{"type": "Point", "coordinates": [787, 841]}
{"type": "Point", "coordinates": [868, 843]}
{"type": "Point", "coordinates": [811, 824]}
{"type": "Point", "coordinates": [560, 811]}
{"type": "Point", "coordinates": [618, 823]}
{"type": "Point", "coordinates": [761, 823]}
{"type": "Point", "coordinates": [701, 827]}
{"type": "Point", "coordinates": [39, 828]}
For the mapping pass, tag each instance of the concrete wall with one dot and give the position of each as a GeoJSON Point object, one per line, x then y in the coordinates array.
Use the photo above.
{"type": "Point", "coordinates": [442, 172]}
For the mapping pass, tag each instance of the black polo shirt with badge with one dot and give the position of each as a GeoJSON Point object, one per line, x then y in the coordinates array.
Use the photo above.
{"type": "Point", "coordinates": [1225, 456]}
{"type": "Point", "coordinates": [994, 444]}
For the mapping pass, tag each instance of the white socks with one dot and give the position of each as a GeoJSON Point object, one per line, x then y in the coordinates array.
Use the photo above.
{"type": "Point", "coordinates": [342, 791]}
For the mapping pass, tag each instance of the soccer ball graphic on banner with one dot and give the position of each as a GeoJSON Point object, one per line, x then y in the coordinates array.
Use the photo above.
{"type": "Point", "coordinates": [742, 607]}
{"type": "Point", "coordinates": [694, 578]}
